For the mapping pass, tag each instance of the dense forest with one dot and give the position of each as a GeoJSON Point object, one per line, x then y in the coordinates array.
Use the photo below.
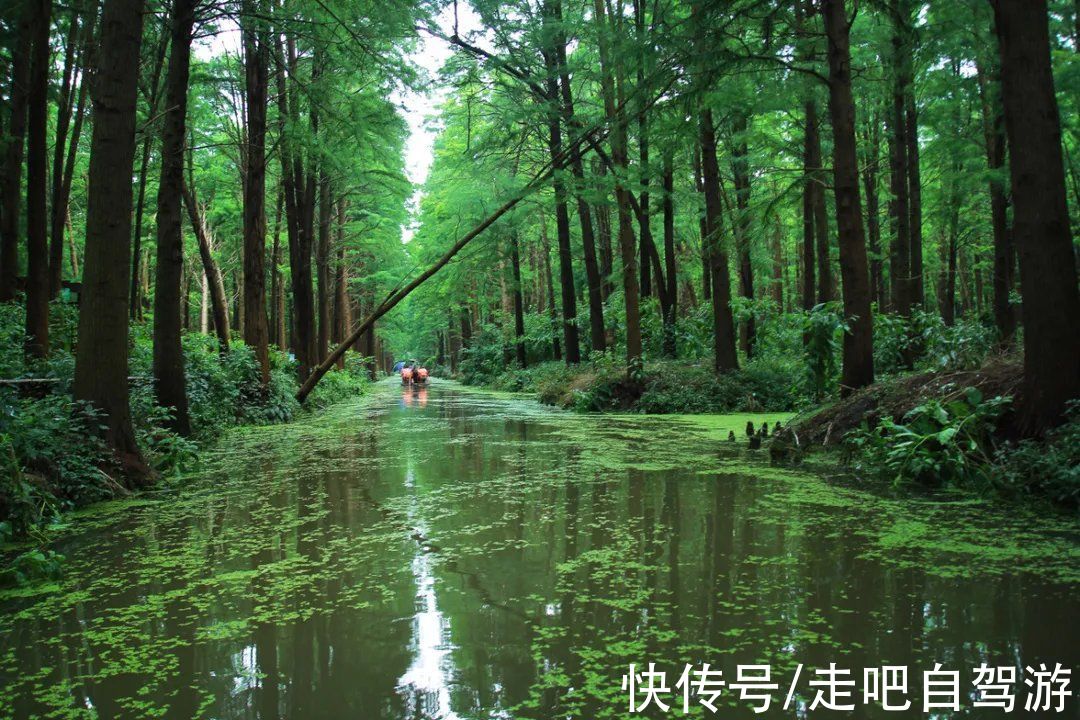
{"type": "Point", "coordinates": [795, 283]}
{"type": "Point", "coordinates": [731, 205]}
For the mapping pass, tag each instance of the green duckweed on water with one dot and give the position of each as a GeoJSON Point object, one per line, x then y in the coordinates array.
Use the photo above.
{"type": "Point", "coordinates": [447, 553]}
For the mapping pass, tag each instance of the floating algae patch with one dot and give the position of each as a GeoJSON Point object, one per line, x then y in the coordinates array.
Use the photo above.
{"type": "Point", "coordinates": [501, 559]}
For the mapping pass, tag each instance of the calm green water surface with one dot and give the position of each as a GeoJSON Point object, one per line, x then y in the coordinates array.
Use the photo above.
{"type": "Point", "coordinates": [449, 554]}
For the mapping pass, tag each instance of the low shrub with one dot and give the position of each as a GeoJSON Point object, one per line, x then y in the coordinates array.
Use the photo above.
{"type": "Point", "coordinates": [936, 444]}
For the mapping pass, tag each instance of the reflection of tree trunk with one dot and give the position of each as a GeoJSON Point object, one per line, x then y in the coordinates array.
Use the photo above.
{"type": "Point", "coordinates": [858, 349]}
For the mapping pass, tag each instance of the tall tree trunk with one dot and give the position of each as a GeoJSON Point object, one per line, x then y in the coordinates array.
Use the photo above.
{"type": "Point", "coordinates": [562, 218]}
{"type": "Point", "coordinates": [918, 290]}
{"type": "Point", "coordinates": [322, 262]}
{"type": "Point", "coordinates": [741, 178]}
{"type": "Point", "coordinates": [858, 348]}
{"type": "Point", "coordinates": [900, 209]}
{"type": "Point", "coordinates": [556, 346]}
{"type": "Point", "coordinates": [169, 380]}
{"type": "Point", "coordinates": [65, 106]}
{"type": "Point", "coordinates": [218, 302]}
{"type": "Point", "coordinates": [671, 293]}
{"type": "Point", "coordinates": [1040, 215]}
{"type": "Point", "coordinates": [645, 238]}
{"type": "Point", "coordinates": [825, 288]}
{"type": "Point", "coordinates": [37, 219]}
{"type": "Point", "coordinates": [610, 84]}
{"type": "Point", "coordinates": [1004, 252]}
{"type": "Point", "coordinates": [725, 356]}
{"type": "Point", "coordinates": [519, 309]}
{"type": "Point", "coordinates": [342, 319]}
{"type": "Point", "coordinates": [277, 282]}
{"type": "Point", "coordinates": [11, 188]}
{"type": "Point", "coordinates": [101, 359]}
{"type": "Point", "coordinates": [137, 266]}
{"type": "Point", "coordinates": [811, 185]}
{"type": "Point", "coordinates": [298, 227]}
{"type": "Point", "coordinates": [703, 226]}
{"type": "Point", "coordinates": [598, 338]}
{"type": "Point", "coordinates": [256, 82]}
{"type": "Point", "coordinates": [873, 216]}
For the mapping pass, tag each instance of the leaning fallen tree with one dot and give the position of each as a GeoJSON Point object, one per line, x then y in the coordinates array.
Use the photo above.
{"type": "Point", "coordinates": [591, 137]}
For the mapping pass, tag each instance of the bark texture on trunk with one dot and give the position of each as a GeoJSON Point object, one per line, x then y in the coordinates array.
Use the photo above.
{"type": "Point", "coordinates": [1040, 216]}
{"type": "Point", "coordinates": [724, 351]}
{"type": "Point", "coordinates": [37, 219]}
{"type": "Point", "coordinates": [101, 359]}
{"type": "Point", "coordinates": [11, 189]}
{"type": "Point", "coordinates": [256, 82]}
{"type": "Point", "coordinates": [858, 349]}
{"type": "Point", "coordinates": [169, 378]}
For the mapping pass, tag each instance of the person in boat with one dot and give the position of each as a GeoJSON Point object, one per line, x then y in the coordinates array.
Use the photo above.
{"type": "Point", "coordinates": [406, 375]}
{"type": "Point", "coordinates": [420, 374]}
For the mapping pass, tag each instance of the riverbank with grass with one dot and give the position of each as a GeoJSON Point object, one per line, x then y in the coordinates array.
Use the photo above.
{"type": "Point", "coordinates": [52, 458]}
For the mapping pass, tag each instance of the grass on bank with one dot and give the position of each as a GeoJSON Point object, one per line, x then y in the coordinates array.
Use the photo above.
{"type": "Point", "coordinates": [52, 459]}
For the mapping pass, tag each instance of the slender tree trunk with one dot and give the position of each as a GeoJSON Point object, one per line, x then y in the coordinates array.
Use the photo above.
{"type": "Point", "coordinates": [741, 177]}
{"type": "Point", "coordinates": [13, 157]}
{"type": "Point", "coordinates": [277, 282]}
{"type": "Point", "coordinates": [562, 217]}
{"type": "Point", "coordinates": [342, 319]}
{"type": "Point", "coordinates": [703, 226]}
{"type": "Point", "coordinates": [101, 359]}
{"type": "Point", "coordinates": [65, 106]}
{"type": "Point", "coordinates": [1004, 252]}
{"type": "Point", "coordinates": [37, 219]}
{"type": "Point", "coordinates": [900, 209]}
{"type": "Point", "coordinates": [1040, 215]}
{"type": "Point", "coordinates": [322, 262]}
{"type": "Point", "coordinates": [169, 379]}
{"type": "Point", "coordinates": [598, 338]}
{"type": "Point", "coordinates": [858, 347]}
{"type": "Point", "coordinates": [610, 84]}
{"type": "Point", "coordinates": [256, 82]}
{"type": "Point", "coordinates": [810, 187]}
{"type": "Point", "coordinates": [671, 294]}
{"type": "Point", "coordinates": [519, 309]}
{"type": "Point", "coordinates": [645, 238]}
{"type": "Point", "coordinates": [135, 297]}
{"type": "Point", "coordinates": [724, 352]}
{"type": "Point", "coordinates": [218, 302]}
{"type": "Point", "coordinates": [549, 281]}
{"type": "Point", "coordinates": [918, 290]}
{"type": "Point", "coordinates": [873, 211]}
